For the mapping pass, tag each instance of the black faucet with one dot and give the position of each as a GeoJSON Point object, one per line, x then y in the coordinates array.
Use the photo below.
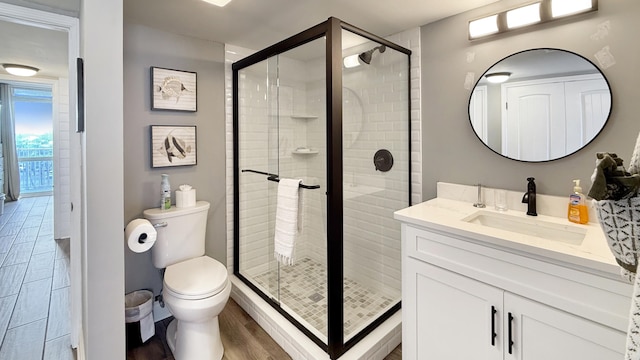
{"type": "Point", "coordinates": [529, 197]}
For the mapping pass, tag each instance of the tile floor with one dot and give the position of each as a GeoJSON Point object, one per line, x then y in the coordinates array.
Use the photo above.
{"type": "Point", "coordinates": [34, 283]}
{"type": "Point", "coordinates": [303, 289]}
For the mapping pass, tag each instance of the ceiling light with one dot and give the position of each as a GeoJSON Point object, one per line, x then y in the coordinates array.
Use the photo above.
{"type": "Point", "coordinates": [498, 77]}
{"type": "Point", "coordinates": [482, 27]}
{"type": "Point", "coordinates": [351, 61]}
{"type": "Point", "coordinates": [220, 3]}
{"type": "Point", "coordinates": [20, 70]}
{"type": "Point", "coordinates": [522, 16]}
{"type": "Point", "coordinates": [569, 7]}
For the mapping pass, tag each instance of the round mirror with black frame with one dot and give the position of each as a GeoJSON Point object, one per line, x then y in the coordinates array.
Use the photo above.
{"type": "Point", "coordinates": [540, 105]}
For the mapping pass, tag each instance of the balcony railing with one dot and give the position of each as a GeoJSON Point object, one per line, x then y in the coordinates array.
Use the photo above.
{"type": "Point", "coordinates": [36, 170]}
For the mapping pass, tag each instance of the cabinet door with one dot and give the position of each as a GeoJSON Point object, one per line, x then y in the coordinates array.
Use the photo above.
{"type": "Point", "coordinates": [540, 332]}
{"type": "Point", "coordinates": [449, 316]}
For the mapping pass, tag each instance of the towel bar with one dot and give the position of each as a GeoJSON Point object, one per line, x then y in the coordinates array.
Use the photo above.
{"type": "Point", "coordinates": [276, 178]}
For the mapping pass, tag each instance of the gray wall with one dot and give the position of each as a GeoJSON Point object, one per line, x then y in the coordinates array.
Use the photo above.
{"type": "Point", "coordinates": [145, 47]}
{"type": "Point", "coordinates": [452, 152]}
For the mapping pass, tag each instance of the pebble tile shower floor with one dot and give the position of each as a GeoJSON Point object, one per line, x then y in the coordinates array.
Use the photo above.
{"type": "Point", "coordinates": [34, 284]}
{"type": "Point", "coordinates": [303, 289]}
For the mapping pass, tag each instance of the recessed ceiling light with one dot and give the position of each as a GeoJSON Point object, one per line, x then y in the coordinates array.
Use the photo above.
{"type": "Point", "coordinates": [220, 3]}
{"type": "Point", "coordinates": [20, 70]}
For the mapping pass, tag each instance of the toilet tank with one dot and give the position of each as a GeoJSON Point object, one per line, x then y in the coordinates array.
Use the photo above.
{"type": "Point", "coordinates": [181, 233]}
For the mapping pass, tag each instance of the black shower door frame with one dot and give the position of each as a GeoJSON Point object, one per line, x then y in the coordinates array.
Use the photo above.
{"type": "Point", "coordinates": [331, 30]}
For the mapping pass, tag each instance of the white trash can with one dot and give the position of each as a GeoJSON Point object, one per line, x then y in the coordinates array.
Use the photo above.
{"type": "Point", "coordinates": [138, 314]}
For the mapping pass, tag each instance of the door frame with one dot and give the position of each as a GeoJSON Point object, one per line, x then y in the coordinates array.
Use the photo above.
{"type": "Point", "coordinates": [70, 25]}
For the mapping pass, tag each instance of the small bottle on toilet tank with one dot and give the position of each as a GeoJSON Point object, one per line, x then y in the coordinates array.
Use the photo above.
{"type": "Point", "coordinates": [165, 187]}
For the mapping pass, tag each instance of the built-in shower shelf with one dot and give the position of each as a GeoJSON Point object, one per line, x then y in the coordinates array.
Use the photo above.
{"type": "Point", "coordinates": [305, 152]}
{"type": "Point", "coordinates": [304, 117]}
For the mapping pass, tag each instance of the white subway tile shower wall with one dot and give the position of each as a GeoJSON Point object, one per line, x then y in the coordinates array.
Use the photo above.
{"type": "Point", "coordinates": [266, 145]}
{"type": "Point", "coordinates": [255, 150]}
{"type": "Point", "coordinates": [371, 236]}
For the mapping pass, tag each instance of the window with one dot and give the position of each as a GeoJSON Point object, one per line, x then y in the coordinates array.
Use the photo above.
{"type": "Point", "coordinates": [33, 113]}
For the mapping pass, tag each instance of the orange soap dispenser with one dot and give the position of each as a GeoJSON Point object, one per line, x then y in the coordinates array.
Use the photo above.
{"type": "Point", "coordinates": [577, 212]}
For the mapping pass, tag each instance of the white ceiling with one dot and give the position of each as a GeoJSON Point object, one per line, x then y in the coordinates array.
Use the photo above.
{"type": "Point", "coordinates": [254, 24]}
{"type": "Point", "coordinates": [33, 46]}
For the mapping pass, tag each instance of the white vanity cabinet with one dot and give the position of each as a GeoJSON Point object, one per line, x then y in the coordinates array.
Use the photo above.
{"type": "Point", "coordinates": [464, 299]}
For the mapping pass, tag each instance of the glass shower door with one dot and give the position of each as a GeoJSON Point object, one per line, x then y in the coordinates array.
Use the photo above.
{"type": "Point", "coordinates": [258, 162]}
{"type": "Point", "coordinates": [375, 131]}
{"type": "Point", "coordinates": [302, 155]}
{"type": "Point", "coordinates": [282, 134]}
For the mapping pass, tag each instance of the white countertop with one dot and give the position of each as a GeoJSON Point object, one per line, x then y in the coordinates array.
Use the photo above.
{"type": "Point", "coordinates": [447, 215]}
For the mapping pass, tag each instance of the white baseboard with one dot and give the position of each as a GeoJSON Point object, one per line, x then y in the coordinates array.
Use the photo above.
{"type": "Point", "coordinates": [80, 352]}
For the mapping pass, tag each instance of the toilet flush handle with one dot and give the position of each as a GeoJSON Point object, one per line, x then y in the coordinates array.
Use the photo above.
{"type": "Point", "coordinates": [159, 225]}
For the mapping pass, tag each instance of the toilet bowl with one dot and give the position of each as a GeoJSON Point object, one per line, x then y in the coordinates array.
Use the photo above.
{"type": "Point", "coordinates": [195, 286]}
{"type": "Point", "coordinates": [196, 291]}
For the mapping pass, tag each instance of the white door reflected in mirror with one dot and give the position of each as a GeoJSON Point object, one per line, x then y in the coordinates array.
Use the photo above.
{"type": "Point", "coordinates": [554, 103]}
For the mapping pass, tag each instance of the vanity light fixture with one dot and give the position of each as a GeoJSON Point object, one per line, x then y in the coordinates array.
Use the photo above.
{"type": "Point", "coordinates": [20, 70]}
{"type": "Point", "coordinates": [498, 77]}
{"type": "Point", "coordinates": [523, 16]}
{"type": "Point", "coordinates": [569, 7]}
{"type": "Point", "coordinates": [534, 12]}
{"type": "Point", "coordinates": [220, 3]}
{"type": "Point", "coordinates": [483, 27]}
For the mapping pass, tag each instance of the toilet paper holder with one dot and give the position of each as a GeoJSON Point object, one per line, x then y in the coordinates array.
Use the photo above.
{"type": "Point", "coordinates": [143, 238]}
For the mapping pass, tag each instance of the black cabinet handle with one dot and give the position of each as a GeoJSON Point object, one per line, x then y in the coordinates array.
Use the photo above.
{"type": "Point", "coordinates": [510, 334]}
{"type": "Point", "coordinates": [493, 326]}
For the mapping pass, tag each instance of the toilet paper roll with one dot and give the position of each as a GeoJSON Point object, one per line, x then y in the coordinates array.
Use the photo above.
{"type": "Point", "coordinates": [140, 235]}
{"type": "Point", "coordinates": [185, 198]}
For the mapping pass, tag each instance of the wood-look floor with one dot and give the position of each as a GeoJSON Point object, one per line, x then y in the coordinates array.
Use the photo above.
{"type": "Point", "coordinates": [242, 337]}
{"type": "Point", "coordinates": [34, 284]}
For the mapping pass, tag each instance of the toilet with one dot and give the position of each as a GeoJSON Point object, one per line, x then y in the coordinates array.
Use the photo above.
{"type": "Point", "coordinates": [195, 286]}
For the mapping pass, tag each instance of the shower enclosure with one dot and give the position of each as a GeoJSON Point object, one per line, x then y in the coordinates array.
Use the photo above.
{"type": "Point", "coordinates": [300, 112]}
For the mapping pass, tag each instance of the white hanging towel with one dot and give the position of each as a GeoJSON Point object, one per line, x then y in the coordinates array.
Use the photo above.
{"type": "Point", "coordinates": [286, 220]}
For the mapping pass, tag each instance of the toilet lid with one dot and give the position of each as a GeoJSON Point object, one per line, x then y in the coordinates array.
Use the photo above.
{"type": "Point", "coordinates": [196, 278]}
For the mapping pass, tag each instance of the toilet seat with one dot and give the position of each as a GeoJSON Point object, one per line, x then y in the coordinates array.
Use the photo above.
{"type": "Point", "coordinates": [196, 278]}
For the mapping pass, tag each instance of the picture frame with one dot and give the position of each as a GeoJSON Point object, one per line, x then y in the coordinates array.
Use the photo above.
{"type": "Point", "coordinates": [173, 145]}
{"type": "Point", "coordinates": [174, 90]}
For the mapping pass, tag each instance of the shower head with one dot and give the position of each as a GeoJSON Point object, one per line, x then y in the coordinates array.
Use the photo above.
{"type": "Point", "coordinates": [367, 55]}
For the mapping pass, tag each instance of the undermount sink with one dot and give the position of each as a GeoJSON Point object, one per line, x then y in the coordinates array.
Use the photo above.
{"type": "Point", "coordinates": [531, 226]}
